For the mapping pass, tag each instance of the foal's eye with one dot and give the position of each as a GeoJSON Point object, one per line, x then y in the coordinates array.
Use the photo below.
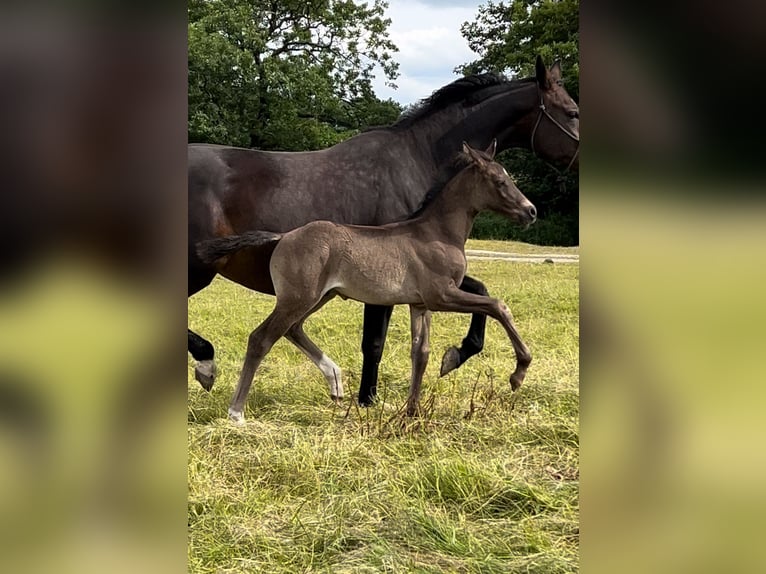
{"type": "Point", "coordinates": [573, 114]}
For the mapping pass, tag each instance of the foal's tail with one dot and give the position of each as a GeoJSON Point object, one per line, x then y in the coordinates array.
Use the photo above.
{"type": "Point", "coordinates": [211, 250]}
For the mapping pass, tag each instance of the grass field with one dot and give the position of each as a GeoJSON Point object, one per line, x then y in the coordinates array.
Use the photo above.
{"type": "Point", "coordinates": [486, 481]}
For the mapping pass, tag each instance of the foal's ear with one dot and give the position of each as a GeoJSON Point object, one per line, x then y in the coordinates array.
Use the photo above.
{"type": "Point", "coordinates": [473, 154]}
{"type": "Point", "coordinates": [541, 73]}
{"type": "Point", "coordinates": [555, 70]}
{"type": "Point", "coordinates": [490, 151]}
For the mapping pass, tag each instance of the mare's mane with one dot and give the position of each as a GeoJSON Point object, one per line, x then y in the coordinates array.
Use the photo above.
{"type": "Point", "coordinates": [470, 90]}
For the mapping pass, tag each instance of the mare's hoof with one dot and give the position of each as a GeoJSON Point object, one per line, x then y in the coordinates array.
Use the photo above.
{"type": "Point", "coordinates": [450, 361]}
{"type": "Point", "coordinates": [236, 417]}
{"type": "Point", "coordinates": [367, 401]}
{"type": "Point", "coordinates": [205, 373]}
{"type": "Point", "coordinates": [337, 400]}
{"type": "Point", "coordinates": [515, 383]}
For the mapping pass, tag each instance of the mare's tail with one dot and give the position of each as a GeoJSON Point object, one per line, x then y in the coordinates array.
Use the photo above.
{"type": "Point", "coordinates": [211, 250]}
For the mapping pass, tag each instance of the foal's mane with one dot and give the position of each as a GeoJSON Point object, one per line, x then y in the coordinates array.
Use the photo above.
{"type": "Point", "coordinates": [459, 163]}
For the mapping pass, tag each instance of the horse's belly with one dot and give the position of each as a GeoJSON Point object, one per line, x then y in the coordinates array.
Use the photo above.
{"type": "Point", "coordinates": [379, 284]}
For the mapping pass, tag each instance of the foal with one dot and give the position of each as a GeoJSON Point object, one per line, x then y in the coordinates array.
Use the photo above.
{"type": "Point", "coordinates": [419, 262]}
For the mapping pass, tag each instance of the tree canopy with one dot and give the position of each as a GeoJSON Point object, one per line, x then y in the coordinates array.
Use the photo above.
{"type": "Point", "coordinates": [286, 74]}
{"type": "Point", "coordinates": [507, 36]}
{"type": "Point", "coordinates": [297, 75]}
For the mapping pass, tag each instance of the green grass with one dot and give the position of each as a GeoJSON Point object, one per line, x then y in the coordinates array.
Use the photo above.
{"type": "Point", "coordinates": [517, 247]}
{"type": "Point", "coordinates": [485, 481]}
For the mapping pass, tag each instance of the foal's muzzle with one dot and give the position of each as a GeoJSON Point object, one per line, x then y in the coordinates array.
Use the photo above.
{"type": "Point", "coordinates": [527, 215]}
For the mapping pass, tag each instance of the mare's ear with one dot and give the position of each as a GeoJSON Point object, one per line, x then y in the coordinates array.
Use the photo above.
{"type": "Point", "coordinates": [541, 73]}
{"type": "Point", "coordinates": [474, 155]}
{"type": "Point", "coordinates": [490, 151]}
{"type": "Point", "coordinates": [555, 71]}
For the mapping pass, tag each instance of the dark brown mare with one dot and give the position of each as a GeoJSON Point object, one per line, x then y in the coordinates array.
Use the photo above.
{"type": "Point", "coordinates": [419, 262]}
{"type": "Point", "coordinates": [376, 177]}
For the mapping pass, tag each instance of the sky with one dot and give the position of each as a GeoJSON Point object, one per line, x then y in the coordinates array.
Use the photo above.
{"type": "Point", "coordinates": [427, 33]}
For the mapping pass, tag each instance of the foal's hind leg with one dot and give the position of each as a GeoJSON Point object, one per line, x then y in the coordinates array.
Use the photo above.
{"type": "Point", "coordinates": [420, 326]}
{"type": "Point", "coordinates": [474, 340]}
{"type": "Point", "coordinates": [259, 343]}
{"type": "Point", "coordinates": [297, 336]}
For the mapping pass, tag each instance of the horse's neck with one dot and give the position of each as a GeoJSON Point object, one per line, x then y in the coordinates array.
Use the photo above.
{"type": "Point", "coordinates": [451, 213]}
{"type": "Point", "coordinates": [506, 117]}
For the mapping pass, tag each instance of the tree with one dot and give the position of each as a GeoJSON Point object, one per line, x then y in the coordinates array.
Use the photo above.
{"type": "Point", "coordinates": [508, 35]}
{"type": "Point", "coordinates": [286, 74]}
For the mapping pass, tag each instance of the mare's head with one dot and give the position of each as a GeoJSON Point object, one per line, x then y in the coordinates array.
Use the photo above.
{"type": "Point", "coordinates": [494, 189]}
{"type": "Point", "coordinates": [556, 131]}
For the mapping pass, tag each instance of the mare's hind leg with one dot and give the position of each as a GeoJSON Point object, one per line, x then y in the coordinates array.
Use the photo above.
{"type": "Point", "coordinates": [203, 352]}
{"type": "Point", "coordinates": [259, 343]}
{"type": "Point", "coordinates": [201, 349]}
{"type": "Point", "coordinates": [474, 340]}
{"type": "Point", "coordinates": [376, 318]}
{"type": "Point", "coordinates": [297, 336]}
{"type": "Point", "coordinates": [420, 326]}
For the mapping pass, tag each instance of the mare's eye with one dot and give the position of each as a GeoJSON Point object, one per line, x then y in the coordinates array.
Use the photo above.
{"type": "Point", "coordinates": [573, 113]}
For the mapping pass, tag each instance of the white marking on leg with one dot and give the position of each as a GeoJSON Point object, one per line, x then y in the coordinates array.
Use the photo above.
{"type": "Point", "coordinates": [207, 368]}
{"type": "Point", "coordinates": [332, 373]}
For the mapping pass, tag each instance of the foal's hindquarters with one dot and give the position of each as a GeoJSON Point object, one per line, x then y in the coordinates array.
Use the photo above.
{"type": "Point", "coordinates": [302, 286]}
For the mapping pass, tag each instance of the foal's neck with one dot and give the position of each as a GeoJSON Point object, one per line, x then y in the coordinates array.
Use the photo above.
{"type": "Point", "coordinates": [450, 215]}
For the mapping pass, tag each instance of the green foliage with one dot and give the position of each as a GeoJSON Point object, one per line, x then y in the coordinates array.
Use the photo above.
{"type": "Point", "coordinates": [555, 229]}
{"type": "Point", "coordinates": [289, 75]}
{"type": "Point", "coordinates": [556, 201]}
{"type": "Point", "coordinates": [508, 35]}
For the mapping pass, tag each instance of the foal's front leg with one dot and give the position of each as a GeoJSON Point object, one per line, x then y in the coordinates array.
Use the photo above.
{"type": "Point", "coordinates": [474, 340]}
{"type": "Point", "coordinates": [452, 299]}
{"type": "Point", "coordinates": [420, 326]}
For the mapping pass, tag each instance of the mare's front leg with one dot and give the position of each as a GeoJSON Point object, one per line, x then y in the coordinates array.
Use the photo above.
{"type": "Point", "coordinates": [454, 300]}
{"type": "Point", "coordinates": [420, 327]}
{"type": "Point", "coordinates": [376, 319]}
{"type": "Point", "coordinates": [474, 340]}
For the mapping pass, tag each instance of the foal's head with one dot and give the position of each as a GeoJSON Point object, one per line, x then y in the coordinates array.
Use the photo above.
{"type": "Point", "coordinates": [494, 189]}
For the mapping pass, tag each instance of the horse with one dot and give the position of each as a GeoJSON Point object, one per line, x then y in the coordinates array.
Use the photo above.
{"type": "Point", "coordinates": [419, 262]}
{"type": "Point", "coordinates": [376, 177]}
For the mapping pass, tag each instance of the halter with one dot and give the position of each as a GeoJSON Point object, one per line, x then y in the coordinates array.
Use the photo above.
{"type": "Point", "coordinates": [544, 111]}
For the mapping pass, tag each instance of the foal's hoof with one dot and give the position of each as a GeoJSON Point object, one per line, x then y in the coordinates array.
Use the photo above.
{"type": "Point", "coordinates": [336, 399]}
{"type": "Point", "coordinates": [450, 361]}
{"type": "Point", "coordinates": [515, 383]}
{"type": "Point", "coordinates": [205, 373]}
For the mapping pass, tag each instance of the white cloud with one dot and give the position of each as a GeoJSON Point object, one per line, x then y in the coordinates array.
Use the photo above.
{"type": "Point", "coordinates": [430, 46]}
